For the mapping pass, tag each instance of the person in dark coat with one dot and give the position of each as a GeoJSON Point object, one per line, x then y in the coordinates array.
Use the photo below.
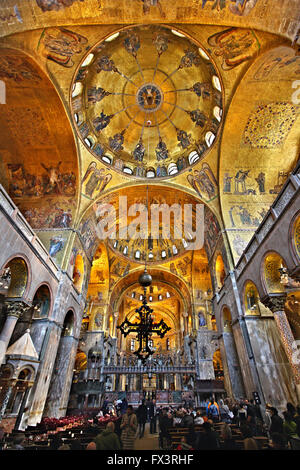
{"type": "Point", "coordinates": [124, 406]}
{"type": "Point", "coordinates": [106, 440]}
{"type": "Point", "coordinates": [105, 406]}
{"type": "Point", "coordinates": [152, 416]}
{"type": "Point", "coordinates": [165, 423]}
{"type": "Point", "coordinates": [142, 418]}
{"type": "Point", "coordinates": [276, 422]}
{"type": "Point", "coordinates": [207, 440]}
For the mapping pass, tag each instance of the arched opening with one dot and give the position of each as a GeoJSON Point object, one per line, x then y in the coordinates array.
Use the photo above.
{"type": "Point", "coordinates": [78, 272]}
{"type": "Point", "coordinates": [218, 365]}
{"type": "Point", "coordinates": [111, 325]}
{"type": "Point", "coordinates": [41, 302]}
{"type": "Point", "coordinates": [295, 236]}
{"type": "Point", "coordinates": [18, 393]}
{"type": "Point", "coordinates": [227, 320]}
{"type": "Point", "coordinates": [273, 266]}
{"type": "Point", "coordinates": [68, 326]}
{"type": "Point", "coordinates": [220, 271]}
{"type": "Point", "coordinates": [40, 309]}
{"type": "Point", "coordinates": [19, 277]}
{"type": "Point", "coordinates": [251, 299]}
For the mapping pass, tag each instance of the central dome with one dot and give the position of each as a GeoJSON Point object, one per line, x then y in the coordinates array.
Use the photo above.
{"type": "Point", "coordinates": [147, 101]}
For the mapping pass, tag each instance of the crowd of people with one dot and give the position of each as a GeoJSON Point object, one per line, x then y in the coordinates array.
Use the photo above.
{"type": "Point", "coordinates": [247, 416]}
{"type": "Point", "coordinates": [207, 428]}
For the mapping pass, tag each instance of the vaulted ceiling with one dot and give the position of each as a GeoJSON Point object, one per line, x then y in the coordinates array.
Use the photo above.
{"type": "Point", "coordinates": [191, 99]}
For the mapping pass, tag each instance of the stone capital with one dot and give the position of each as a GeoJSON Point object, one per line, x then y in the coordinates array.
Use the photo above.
{"type": "Point", "coordinates": [16, 308]}
{"type": "Point", "coordinates": [275, 302]}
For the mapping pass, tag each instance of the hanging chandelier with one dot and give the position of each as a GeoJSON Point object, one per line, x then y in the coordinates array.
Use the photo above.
{"type": "Point", "coordinates": [146, 326]}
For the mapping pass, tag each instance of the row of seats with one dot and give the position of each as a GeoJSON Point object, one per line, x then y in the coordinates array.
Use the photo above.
{"type": "Point", "coordinates": [177, 433]}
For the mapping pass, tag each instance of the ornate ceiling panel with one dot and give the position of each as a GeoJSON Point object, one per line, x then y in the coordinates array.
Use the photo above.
{"type": "Point", "coordinates": [260, 143]}
{"type": "Point", "coordinates": [147, 101]}
{"type": "Point", "coordinates": [275, 16]}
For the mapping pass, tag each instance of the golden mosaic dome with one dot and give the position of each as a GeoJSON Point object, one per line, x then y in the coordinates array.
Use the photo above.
{"type": "Point", "coordinates": [147, 101]}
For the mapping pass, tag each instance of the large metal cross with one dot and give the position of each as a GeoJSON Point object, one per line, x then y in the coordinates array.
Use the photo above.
{"type": "Point", "coordinates": [144, 329]}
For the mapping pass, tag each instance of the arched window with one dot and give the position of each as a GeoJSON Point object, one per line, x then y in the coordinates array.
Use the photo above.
{"type": "Point", "coordinates": [112, 37]}
{"type": "Point", "coordinates": [203, 54]}
{"type": "Point", "coordinates": [216, 83]}
{"type": "Point", "coordinates": [296, 236]}
{"type": "Point", "coordinates": [41, 302]}
{"type": "Point", "coordinates": [209, 138]}
{"type": "Point", "coordinates": [88, 60]}
{"type": "Point", "coordinates": [227, 320]}
{"type": "Point", "coordinates": [77, 89]}
{"type": "Point", "coordinates": [273, 268]}
{"type": "Point", "coordinates": [251, 299]}
{"type": "Point", "coordinates": [218, 365]}
{"type": "Point", "coordinates": [218, 113]}
{"type": "Point", "coordinates": [90, 142]}
{"type": "Point", "coordinates": [68, 326]}
{"type": "Point", "coordinates": [172, 169]}
{"type": "Point", "coordinates": [193, 157]}
{"type": "Point", "coordinates": [19, 277]}
{"type": "Point", "coordinates": [150, 173]}
{"type": "Point", "coordinates": [107, 159]}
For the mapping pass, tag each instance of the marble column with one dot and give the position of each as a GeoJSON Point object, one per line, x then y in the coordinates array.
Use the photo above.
{"type": "Point", "coordinates": [116, 316]}
{"type": "Point", "coordinates": [232, 380]}
{"type": "Point", "coordinates": [86, 401]}
{"type": "Point", "coordinates": [58, 395]}
{"type": "Point", "coordinates": [185, 323]}
{"type": "Point", "coordinates": [6, 399]}
{"type": "Point", "coordinates": [15, 310]}
{"type": "Point", "coordinates": [21, 422]}
{"type": "Point", "coordinates": [47, 354]}
{"type": "Point", "coordinates": [177, 382]}
{"type": "Point", "coordinates": [276, 304]}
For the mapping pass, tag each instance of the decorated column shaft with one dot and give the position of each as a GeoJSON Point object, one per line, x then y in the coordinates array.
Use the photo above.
{"type": "Point", "coordinates": [57, 400]}
{"type": "Point", "coordinates": [276, 304]}
{"type": "Point", "coordinates": [6, 399]}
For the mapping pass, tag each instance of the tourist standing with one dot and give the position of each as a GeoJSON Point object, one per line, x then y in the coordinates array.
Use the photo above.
{"type": "Point", "coordinates": [124, 406]}
{"type": "Point", "coordinates": [289, 426]}
{"type": "Point", "coordinates": [213, 412]}
{"type": "Point", "coordinates": [142, 418]}
{"type": "Point", "coordinates": [152, 416]}
{"type": "Point", "coordinates": [165, 423]}
{"type": "Point", "coordinates": [128, 427]}
{"type": "Point", "coordinates": [276, 425]}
